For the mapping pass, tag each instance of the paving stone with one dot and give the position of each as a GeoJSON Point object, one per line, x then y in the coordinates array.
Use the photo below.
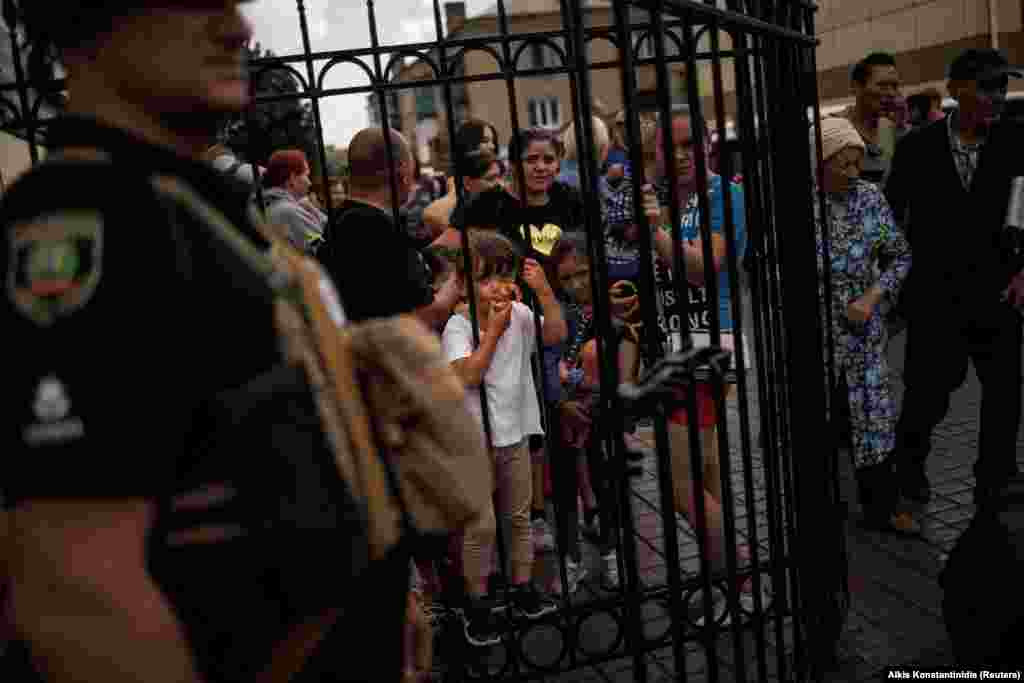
{"type": "Point", "coordinates": [895, 613]}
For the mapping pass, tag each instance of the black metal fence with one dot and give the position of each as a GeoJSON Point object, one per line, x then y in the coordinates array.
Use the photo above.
{"type": "Point", "coordinates": [779, 485]}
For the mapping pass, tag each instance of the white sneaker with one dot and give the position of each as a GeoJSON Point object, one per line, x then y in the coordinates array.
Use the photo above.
{"type": "Point", "coordinates": [611, 570]}
{"type": "Point", "coordinates": [543, 539]}
{"type": "Point", "coordinates": [575, 572]}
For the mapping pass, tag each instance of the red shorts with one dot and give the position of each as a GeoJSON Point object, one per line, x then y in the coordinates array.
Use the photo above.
{"type": "Point", "coordinates": [707, 415]}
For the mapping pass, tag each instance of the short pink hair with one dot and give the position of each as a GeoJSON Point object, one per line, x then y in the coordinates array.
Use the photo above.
{"type": "Point", "coordinates": [283, 164]}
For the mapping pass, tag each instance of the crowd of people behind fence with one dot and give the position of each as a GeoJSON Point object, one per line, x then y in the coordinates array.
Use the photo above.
{"type": "Point", "coordinates": [529, 206]}
{"type": "Point", "coordinates": [513, 325]}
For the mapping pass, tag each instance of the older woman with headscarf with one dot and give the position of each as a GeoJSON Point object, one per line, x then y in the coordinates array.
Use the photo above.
{"type": "Point", "coordinates": [860, 232]}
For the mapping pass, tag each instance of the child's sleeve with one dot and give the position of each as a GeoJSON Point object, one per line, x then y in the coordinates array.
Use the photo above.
{"type": "Point", "coordinates": [457, 339]}
{"type": "Point", "coordinates": [523, 317]}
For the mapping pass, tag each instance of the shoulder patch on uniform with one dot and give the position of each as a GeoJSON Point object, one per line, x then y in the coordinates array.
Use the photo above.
{"type": "Point", "coordinates": [55, 263]}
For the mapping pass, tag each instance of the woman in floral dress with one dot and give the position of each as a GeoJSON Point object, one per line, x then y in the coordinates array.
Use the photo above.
{"type": "Point", "coordinates": [861, 234]}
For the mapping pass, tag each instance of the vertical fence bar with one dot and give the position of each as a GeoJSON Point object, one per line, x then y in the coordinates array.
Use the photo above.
{"type": "Point", "coordinates": [380, 77]}
{"type": "Point", "coordinates": [698, 136]}
{"type": "Point", "coordinates": [578, 69]}
{"type": "Point", "coordinates": [765, 303]}
{"type": "Point", "coordinates": [746, 132]}
{"type": "Point", "coordinates": [834, 598]}
{"type": "Point", "coordinates": [729, 229]}
{"type": "Point", "coordinates": [766, 279]}
{"type": "Point", "coordinates": [611, 403]}
{"type": "Point", "coordinates": [800, 288]}
{"type": "Point", "coordinates": [841, 559]}
{"type": "Point", "coordinates": [467, 258]}
{"type": "Point", "coordinates": [315, 101]}
{"type": "Point", "coordinates": [654, 348]}
{"type": "Point", "coordinates": [567, 21]}
{"type": "Point", "coordinates": [776, 94]}
{"type": "Point", "coordinates": [511, 69]}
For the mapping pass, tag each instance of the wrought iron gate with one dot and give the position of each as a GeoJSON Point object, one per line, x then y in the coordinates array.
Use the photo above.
{"type": "Point", "coordinates": [779, 484]}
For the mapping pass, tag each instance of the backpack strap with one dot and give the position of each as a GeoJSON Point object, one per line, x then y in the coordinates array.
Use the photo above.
{"type": "Point", "coordinates": [324, 350]}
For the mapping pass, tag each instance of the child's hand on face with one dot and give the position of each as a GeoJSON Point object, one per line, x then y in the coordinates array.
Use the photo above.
{"type": "Point", "coordinates": [500, 319]}
{"type": "Point", "coordinates": [533, 276]}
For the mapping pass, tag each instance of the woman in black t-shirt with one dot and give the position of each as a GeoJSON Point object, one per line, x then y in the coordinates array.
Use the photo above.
{"type": "Point", "coordinates": [547, 208]}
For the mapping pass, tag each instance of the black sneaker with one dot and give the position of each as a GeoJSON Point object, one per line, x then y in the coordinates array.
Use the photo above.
{"type": "Point", "coordinates": [529, 602]}
{"type": "Point", "coordinates": [481, 625]}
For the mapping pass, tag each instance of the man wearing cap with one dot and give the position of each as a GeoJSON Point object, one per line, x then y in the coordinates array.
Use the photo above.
{"type": "Point", "coordinates": [950, 184]}
{"type": "Point", "coordinates": [166, 524]}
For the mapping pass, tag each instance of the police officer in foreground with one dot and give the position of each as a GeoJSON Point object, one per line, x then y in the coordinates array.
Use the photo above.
{"type": "Point", "coordinates": [166, 523]}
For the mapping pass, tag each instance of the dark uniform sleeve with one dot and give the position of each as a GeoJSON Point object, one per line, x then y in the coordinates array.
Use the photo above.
{"type": "Point", "coordinates": [93, 349]}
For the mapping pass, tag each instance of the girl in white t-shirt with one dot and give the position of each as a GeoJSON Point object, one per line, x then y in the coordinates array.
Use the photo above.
{"type": "Point", "coordinates": [501, 365]}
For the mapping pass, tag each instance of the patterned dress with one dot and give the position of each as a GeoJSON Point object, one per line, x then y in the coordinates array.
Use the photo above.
{"type": "Point", "coordinates": [861, 231]}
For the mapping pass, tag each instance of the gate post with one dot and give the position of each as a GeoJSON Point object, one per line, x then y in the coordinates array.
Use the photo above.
{"type": "Point", "coordinates": [819, 525]}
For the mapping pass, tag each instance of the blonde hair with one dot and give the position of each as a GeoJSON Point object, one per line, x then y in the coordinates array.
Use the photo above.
{"type": "Point", "coordinates": [601, 139]}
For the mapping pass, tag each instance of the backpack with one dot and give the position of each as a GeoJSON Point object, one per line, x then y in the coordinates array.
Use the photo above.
{"type": "Point", "coordinates": [383, 376]}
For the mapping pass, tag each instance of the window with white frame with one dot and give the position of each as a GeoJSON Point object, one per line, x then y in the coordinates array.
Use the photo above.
{"type": "Point", "coordinates": [545, 112]}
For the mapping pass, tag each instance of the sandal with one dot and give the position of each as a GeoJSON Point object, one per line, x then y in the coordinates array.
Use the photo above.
{"type": "Point", "coordinates": [898, 522]}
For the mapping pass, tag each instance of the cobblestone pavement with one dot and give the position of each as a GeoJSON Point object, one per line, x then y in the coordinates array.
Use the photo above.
{"type": "Point", "coordinates": [895, 613]}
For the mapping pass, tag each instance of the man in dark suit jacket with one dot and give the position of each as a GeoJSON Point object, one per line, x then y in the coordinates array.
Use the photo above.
{"type": "Point", "coordinates": [962, 296]}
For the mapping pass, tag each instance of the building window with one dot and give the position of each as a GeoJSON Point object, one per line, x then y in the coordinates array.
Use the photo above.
{"type": "Point", "coordinates": [544, 56]}
{"type": "Point", "coordinates": [646, 50]}
{"type": "Point", "coordinates": [426, 103]}
{"type": "Point", "coordinates": [545, 112]}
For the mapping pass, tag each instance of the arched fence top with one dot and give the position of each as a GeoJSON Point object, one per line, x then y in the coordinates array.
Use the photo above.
{"type": "Point", "coordinates": [456, 63]}
{"type": "Point", "coordinates": [397, 60]}
{"type": "Point", "coordinates": [268, 68]}
{"type": "Point", "coordinates": [344, 60]}
{"type": "Point", "coordinates": [544, 42]}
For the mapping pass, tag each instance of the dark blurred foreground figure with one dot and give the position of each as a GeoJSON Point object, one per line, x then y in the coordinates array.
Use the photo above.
{"type": "Point", "coordinates": [984, 602]}
{"type": "Point", "coordinates": [179, 512]}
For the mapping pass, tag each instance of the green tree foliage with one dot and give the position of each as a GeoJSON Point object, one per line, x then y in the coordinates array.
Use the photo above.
{"type": "Point", "coordinates": [337, 161]}
{"type": "Point", "coordinates": [280, 124]}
